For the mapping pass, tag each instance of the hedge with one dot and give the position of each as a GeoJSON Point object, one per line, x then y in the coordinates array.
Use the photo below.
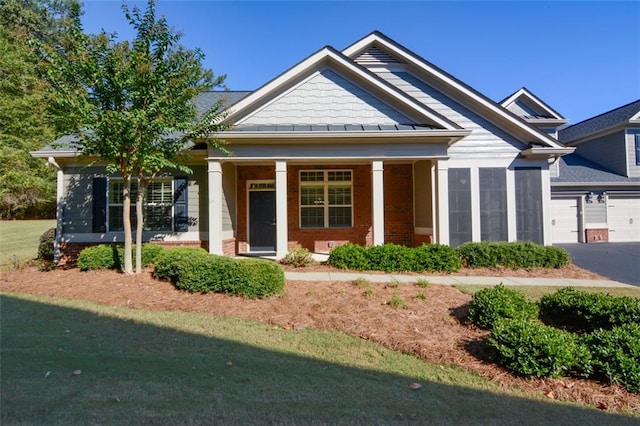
{"type": "Point", "coordinates": [492, 304]}
{"type": "Point", "coordinates": [111, 256]}
{"type": "Point", "coordinates": [512, 255]}
{"type": "Point", "coordinates": [195, 270]}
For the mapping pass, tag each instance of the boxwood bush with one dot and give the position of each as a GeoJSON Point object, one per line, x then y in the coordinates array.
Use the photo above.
{"type": "Point", "coordinates": [492, 304]}
{"type": "Point", "coordinates": [393, 257]}
{"type": "Point", "coordinates": [111, 256]}
{"type": "Point", "coordinates": [515, 255]}
{"type": "Point", "coordinates": [45, 247]}
{"type": "Point", "coordinates": [616, 354]}
{"type": "Point", "coordinates": [530, 348]}
{"type": "Point", "coordinates": [195, 270]}
{"type": "Point", "coordinates": [584, 312]}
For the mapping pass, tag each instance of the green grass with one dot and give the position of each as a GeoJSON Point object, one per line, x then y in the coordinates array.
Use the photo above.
{"type": "Point", "coordinates": [148, 367]}
{"type": "Point", "coordinates": [19, 240]}
{"type": "Point", "coordinates": [535, 293]}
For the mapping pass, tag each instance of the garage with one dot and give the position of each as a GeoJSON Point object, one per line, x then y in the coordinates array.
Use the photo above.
{"type": "Point", "coordinates": [564, 220]}
{"type": "Point", "coordinates": [623, 214]}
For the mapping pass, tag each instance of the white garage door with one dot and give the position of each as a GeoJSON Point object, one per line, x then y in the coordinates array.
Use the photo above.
{"type": "Point", "coordinates": [564, 220]}
{"type": "Point", "coordinates": [623, 218]}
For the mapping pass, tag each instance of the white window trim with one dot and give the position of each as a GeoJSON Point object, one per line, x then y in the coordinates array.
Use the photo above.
{"type": "Point", "coordinates": [326, 184]}
{"type": "Point", "coordinates": [134, 181]}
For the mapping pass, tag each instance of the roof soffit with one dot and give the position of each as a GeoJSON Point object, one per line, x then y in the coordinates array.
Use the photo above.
{"type": "Point", "coordinates": [454, 88]}
{"type": "Point", "coordinates": [329, 58]}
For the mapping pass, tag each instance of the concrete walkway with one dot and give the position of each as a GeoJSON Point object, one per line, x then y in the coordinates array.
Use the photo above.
{"type": "Point", "coordinates": [450, 279]}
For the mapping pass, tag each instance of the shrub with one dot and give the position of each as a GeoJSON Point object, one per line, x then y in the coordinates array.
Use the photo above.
{"type": "Point", "coordinates": [349, 256]}
{"type": "Point", "coordinates": [103, 256]}
{"type": "Point", "coordinates": [111, 256]}
{"type": "Point", "coordinates": [45, 248]}
{"type": "Point", "coordinates": [390, 258]}
{"type": "Point", "coordinates": [492, 304]}
{"type": "Point", "coordinates": [616, 354]}
{"type": "Point", "coordinates": [195, 270]}
{"type": "Point", "coordinates": [582, 311]}
{"type": "Point", "coordinates": [529, 348]}
{"type": "Point", "coordinates": [436, 258]}
{"type": "Point", "coordinates": [512, 255]}
{"type": "Point", "coordinates": [298, 258]}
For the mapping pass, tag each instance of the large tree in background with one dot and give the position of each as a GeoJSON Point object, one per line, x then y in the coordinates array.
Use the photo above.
{"type": "Point", "coordinates": [27, 185]}
{"type": "Point", "coordinates": [130, 103]}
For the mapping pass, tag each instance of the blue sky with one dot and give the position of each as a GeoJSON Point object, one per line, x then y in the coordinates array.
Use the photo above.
{"type": "Point", "coordinates": [581, 57]}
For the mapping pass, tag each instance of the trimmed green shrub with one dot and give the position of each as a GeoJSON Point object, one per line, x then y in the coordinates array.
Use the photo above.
{"type": "Point", "coordinates": [515, 255]}
{"type": "Point", "coordinates": [436, 258]}
{"type": "Point", "coordinates": [45, 248]}
{"type": "Point", "coordinates": [492, 304]}
{"type": "Point", "coordinates": [298, 258]}
{"type": "Point", "coordinates": [195, 270]}
{"type": "Point", "coordinates": [390, 258]}
{"type": "Point", "coordinates": [616, 354]}
{"type": "Point", "coordinates": [111, 256]}
{"type": "Point", "coordinates": [529, 348]}
{"type": "Point", "coordinates": [584, 312]}
{"type": "Point", "coordinates": [349, 256]}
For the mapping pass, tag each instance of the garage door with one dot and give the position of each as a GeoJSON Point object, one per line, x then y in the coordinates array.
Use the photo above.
{"type": "Point", "coordinates": [623, 218]}
{"type": "Point", "coordinates": [564, 220]}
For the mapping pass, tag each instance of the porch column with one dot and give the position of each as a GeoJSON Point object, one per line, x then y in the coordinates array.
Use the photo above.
{"type": "Point", "coordinates": [377, 205]}
{"type": "Point", "coordinates": [215, 206]}
{"type": "Point", "coordinates": [442, 204]}
{"type": "Point", "coordinates": [282, 235]}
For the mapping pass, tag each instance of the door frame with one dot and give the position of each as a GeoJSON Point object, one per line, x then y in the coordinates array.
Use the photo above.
{"type": "Point", "coordinates": [258, 185]}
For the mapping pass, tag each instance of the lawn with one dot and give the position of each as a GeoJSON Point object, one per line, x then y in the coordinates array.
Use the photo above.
{"type": "Point", "coordinates": [78, 362]}
{"type": "Point", "coordinates": [19, 240]}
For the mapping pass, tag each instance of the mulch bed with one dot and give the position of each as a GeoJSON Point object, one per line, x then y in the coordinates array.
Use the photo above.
{"type": "Point", "coordinates": [432, 328]}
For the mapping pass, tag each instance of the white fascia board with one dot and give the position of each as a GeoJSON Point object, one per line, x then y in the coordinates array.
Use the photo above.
{"type": "Point", "coordinates": [635, 118]}
{"type": "Point", "coordinates": [451, 82]}
{"type": "Point", "coordinates": [334, 57]}
{"type": "Point", "coordinates": [594, 184]}
{"type": "Point", "coordinates": [537, 153]}
{"type": "Point", "coordinates": [524, 92]}
{"type": "Point", "coordinates": [54, 154]}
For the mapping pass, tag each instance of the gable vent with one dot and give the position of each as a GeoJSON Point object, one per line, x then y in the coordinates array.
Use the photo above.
{"type": "Point", "coordinates": [376, 56]}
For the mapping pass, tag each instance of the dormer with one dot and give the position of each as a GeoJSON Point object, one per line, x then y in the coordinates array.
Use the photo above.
{"type": "Point", "coordinates": [534, 111]}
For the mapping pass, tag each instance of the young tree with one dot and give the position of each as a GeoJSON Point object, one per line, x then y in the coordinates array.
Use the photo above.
{"type": "Point", "coordinates": [130, 103]}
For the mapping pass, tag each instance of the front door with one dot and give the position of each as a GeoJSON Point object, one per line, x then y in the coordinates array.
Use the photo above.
{"type": "Point", "coordinates": [262, 220]}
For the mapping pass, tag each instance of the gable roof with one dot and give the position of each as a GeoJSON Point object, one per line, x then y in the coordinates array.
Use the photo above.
{"type": "Point", "coordinates": [535, 110]}
{"type": "Point", "coordinates": [454, 88]}
{"type": "Point", "coordinates": [331, 58]}
{"type": "Point", "coordinates": [621, 116]}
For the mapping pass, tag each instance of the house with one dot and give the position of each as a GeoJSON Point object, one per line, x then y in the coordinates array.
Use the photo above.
{"type": "Point", "coordinates": [372, 144]}
{"type": "Point", "coordinates": [595, 191]}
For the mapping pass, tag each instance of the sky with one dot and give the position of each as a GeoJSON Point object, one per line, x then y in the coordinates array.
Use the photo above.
{"type": "Point", "coordinates": [580, 57]}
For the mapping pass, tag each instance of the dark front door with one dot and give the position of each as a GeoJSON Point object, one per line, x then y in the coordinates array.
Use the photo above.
{"type": "Point", "coordinates": [262, 220]}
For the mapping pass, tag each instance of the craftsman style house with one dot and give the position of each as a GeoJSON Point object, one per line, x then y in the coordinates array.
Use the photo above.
{"type": "Point", "coordinates": [371, 145]}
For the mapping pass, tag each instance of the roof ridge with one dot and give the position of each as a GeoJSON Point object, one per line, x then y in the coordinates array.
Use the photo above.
{"type": "Point", "coordinates": [602, 114]}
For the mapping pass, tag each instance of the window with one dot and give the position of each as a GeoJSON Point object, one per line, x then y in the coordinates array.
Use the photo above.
{"type": "Point", "coordinates": [493, 204]}
{"type": "Point", "coordinates": [459, 206]}
{"type": "Point", "coordinates": [158, 205]}
{"type": "Point", "coordinates": [326, 199]}
{"type": "Point", "coordinates": [637, 149]}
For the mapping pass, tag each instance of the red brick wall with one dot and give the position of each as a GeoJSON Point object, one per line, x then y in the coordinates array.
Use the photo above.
{"type": "Point", "coordinates": [398, 204]}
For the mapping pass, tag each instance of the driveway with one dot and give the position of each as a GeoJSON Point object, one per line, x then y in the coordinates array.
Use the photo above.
{"type": "Point", "coordinates": [617, 261]}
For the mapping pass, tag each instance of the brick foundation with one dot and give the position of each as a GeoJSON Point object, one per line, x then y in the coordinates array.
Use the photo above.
{"type": "Point", "coordinates": [596, 235]}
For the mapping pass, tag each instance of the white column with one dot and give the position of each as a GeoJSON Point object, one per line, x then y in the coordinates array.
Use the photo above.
{"type": "Point", "coordinates": [442, 208]}
{"type": "Point", "coordinates": [377, 178]}
{"type": "Point", "coordinates": [215, 206]}
{"type": "Point", "coordinates": [476, 220]}
{"type": "Point", "coordinates": [512, 229]}
{"type": "Point", "coordinates": [546, 206]}
{"type": "Point", "coordinates": [59, 213]}
{"type": "Point", "coordinates": [282, 234]}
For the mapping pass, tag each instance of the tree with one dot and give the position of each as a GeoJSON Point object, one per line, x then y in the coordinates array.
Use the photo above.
{"type": "Point", "coordinates": [131, 103]}
{"type": "Point", "coordinates": [27, 185]}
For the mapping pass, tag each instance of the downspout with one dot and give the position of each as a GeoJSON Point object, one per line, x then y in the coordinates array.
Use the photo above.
{"type": "Point", "coordinates": [59, 207]}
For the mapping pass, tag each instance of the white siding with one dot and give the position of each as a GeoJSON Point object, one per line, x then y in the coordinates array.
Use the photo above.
{"type": "Point", "coordinates": [326, 98]}
{"type": "Point", "coordinates": [485, 140]}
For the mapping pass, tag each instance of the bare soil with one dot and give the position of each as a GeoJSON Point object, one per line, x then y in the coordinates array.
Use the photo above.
{"type": "Point", "coordinates": [431, 326]}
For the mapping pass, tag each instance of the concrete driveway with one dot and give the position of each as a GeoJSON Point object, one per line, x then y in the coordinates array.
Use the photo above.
{"type": "Point", "coordinates": [617, 261]}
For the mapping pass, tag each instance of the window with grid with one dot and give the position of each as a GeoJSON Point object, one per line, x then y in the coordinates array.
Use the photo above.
{"type": "Point", "coordinates": [326, 199]}
{"type": "Point", "coordinates": [158, 205]}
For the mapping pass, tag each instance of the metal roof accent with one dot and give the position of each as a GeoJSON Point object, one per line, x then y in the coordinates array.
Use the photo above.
{"type": "Point", "coordinates": [619, 116]}
{"type": "Point", "coordinates": [274, 128]}
{"type": "Point", "coordinates": [573, 168]}
{"type": "Point", "coordinates": [544, 111]}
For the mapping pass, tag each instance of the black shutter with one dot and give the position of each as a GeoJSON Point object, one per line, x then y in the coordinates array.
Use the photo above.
{"type": "Point", "coordinates": [181, 205]}
{"type": "Point", "coordinates": [99, 220]}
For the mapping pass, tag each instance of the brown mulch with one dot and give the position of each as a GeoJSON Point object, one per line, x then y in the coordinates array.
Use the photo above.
{"type": "Point", "coordinates": [433, 329]}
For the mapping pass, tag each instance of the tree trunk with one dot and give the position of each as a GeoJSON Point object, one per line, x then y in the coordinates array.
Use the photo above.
{"type": "Point", "coordinates": [126, 221]}
{"type": "Point", "coordinates": [142, 187]}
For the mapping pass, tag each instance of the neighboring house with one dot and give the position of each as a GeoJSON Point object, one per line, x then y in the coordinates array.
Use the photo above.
{"type": "Point", "coordinates": [371, 145]}
{"type": "Point", "coordinates": [596, 190]}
